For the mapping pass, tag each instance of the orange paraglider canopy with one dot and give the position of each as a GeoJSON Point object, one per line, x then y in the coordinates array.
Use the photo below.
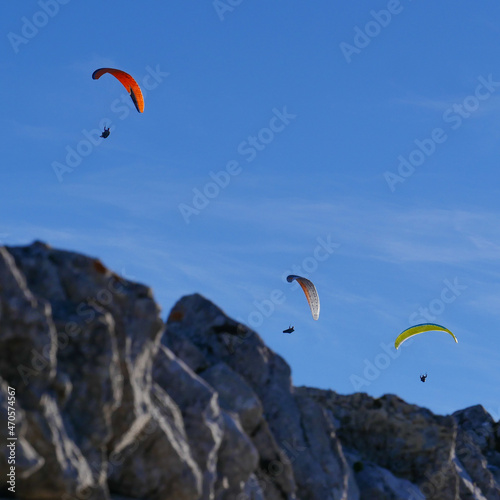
{"type": "Point", "coordinates": [127, 81]}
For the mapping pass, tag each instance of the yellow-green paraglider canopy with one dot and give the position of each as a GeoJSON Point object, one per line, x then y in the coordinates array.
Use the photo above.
{"type": "Point", "coordinates": [417, 329]}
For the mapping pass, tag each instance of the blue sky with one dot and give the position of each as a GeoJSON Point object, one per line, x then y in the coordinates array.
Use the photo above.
{"type": "Point", "coordinates": [355, 143]}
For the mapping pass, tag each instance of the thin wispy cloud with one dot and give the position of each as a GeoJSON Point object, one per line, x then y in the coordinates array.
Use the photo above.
{"type": "Point", "coordinates": [377, 230]}
{"type": "Point", "coordinates": [489, 107]}
{"type": "Point", "coordinates": [37, 133]}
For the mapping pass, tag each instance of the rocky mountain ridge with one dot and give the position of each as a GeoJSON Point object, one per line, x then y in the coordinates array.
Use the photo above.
{"type": "Point", "coordinates": [112, 402]}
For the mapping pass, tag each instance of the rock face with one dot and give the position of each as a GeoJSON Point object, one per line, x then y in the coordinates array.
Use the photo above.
{"type": "Point", "coordinates": [111, 402]}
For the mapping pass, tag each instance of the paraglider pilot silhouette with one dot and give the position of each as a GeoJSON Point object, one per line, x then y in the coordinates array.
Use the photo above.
{"type": "Point", "coordinates": [128, 82]}
{"type": "Point", "coordinates": [290, 329]}
{"type": "Point", "coordinates": [423, 377]}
